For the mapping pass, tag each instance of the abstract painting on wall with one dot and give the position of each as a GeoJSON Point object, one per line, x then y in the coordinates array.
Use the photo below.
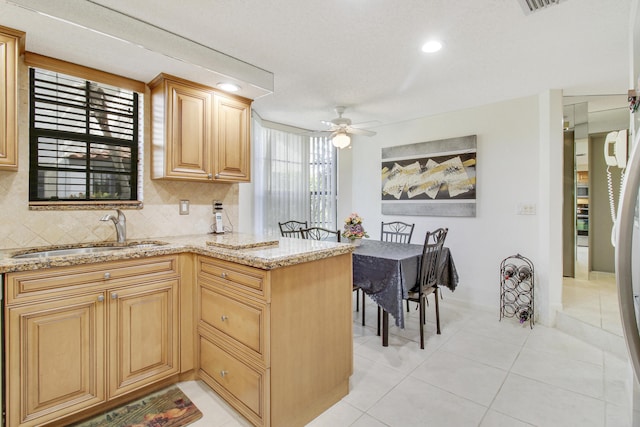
{"type": "Point", "coordinates": [434, 178]}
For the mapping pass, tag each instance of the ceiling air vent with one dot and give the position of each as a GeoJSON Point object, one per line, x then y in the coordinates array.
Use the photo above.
{"type": "Point", "coordinates": [531, 6]}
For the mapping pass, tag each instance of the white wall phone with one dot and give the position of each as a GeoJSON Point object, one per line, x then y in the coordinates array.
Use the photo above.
{"type": "Point", "coordinates": [615, 149]}
{"type": "Point", "coordinates": [615, 155]}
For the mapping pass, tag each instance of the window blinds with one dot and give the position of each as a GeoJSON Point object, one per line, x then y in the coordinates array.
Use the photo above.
{"type": "Point", "coordinates": [83, 139]}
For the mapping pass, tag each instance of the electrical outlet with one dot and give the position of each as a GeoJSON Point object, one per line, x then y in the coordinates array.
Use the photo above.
{"type": "Point", "coordinates": [184, 207]}
{"type": "Point", "coordinates": [526, 209]}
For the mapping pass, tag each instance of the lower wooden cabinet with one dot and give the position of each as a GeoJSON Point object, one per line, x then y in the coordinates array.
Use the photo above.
{"type": "Point", "coordinates": [57, 362]}
{"type": "Point", "coordinates": [276, 345]}
{"type": "Point", "coordinates": [143, 344]}
{"type": "Point", "coordinates": [78, 346]}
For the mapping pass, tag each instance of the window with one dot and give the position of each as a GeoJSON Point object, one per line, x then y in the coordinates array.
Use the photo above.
{"type": "Point", "coordinates": [83, 140]}
{"type": "Point", "coordinates": [294, 179]}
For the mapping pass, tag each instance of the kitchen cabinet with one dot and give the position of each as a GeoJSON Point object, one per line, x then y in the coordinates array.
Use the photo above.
{"type": "Point", "coordinates": [275, 344]}
{"type": "Point", "coordinates": [231, 121]}
{"type": "Point", "coordinates": [199, 134]}
{"type": "Point", "coordinates": [57, 362]}
{"type": "Point", "coordinates": [143, 341]}
{"type": "Point", "coordinates": [11, 46]}
{"type": "Point", "coordinates": [84, 335]}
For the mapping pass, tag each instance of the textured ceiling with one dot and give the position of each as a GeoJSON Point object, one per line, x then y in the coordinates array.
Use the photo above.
{"type": "Point", "coordinates": [365, 54]}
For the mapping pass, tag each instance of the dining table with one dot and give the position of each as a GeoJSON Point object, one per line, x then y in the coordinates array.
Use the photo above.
{"type": "Point", "coordinates": [386, 272]}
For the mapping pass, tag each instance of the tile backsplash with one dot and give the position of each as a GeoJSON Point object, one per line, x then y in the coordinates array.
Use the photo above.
{"type": "Point", "coordinates": [160, 216]}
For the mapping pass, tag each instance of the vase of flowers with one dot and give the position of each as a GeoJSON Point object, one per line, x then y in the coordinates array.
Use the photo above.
{"type": "Point", "coordinates": [353, 229]}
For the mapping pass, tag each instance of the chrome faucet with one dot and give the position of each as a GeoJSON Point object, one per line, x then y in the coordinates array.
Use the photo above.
{"type": "Point", "coordinates": [120, 223]}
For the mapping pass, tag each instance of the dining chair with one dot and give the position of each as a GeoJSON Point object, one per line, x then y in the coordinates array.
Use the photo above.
{"type": "Point", "coordinates": [399, 232]}
{"type": "Point", "coordinates": [427, 282]}
{"type": "Point", "coordinates": [320, 233]}
{"type": "Point", "coordinates": [396, 231]}
{"type": "Point", "coordinates": [292, 228]}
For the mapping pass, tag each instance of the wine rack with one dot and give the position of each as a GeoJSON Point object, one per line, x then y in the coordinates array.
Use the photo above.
{"type": "Point", "coordinates": [517, 289]}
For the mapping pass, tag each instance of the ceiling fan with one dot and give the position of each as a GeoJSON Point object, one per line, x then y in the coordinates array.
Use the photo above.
{"type": "Point", "coordinates": [341, 128]}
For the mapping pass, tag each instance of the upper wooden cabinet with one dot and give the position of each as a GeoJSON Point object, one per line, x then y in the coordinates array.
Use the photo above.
{"type": "Point", "coordinates": [199, 134]}
{"type": "Point", "coordinates": [231, 121]}
{"type": "Point", "coordinates": [11, 46]}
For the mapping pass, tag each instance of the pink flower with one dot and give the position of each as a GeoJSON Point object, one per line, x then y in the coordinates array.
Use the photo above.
{"type": "Point", "coordinates": [353, 228]}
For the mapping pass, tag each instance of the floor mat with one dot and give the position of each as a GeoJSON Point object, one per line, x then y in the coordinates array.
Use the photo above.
{"type": "Point", "coordinates": [165, 408]}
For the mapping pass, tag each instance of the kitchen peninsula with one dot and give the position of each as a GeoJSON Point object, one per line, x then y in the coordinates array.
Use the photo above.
{"type": "Point", "coordinates": [265, 322]}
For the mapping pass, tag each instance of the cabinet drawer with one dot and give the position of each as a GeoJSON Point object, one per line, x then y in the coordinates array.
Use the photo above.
{"type": "Point", "coordinates": [242, 385]}
{"type": "Point", "coordinates": [59, 281]}
{"type": "Point", "coordinates": [232, 275]}
{"type": "Point", "coordinates": [238, 319]}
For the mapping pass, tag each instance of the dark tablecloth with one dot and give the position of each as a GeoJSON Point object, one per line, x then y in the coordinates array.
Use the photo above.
{"type": "Point", "coordinates": [386, 272]}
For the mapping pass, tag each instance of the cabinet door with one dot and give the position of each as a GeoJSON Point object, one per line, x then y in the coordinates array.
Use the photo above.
{"type": "Point", "coordinates": [143, 323]}
{"type": "Point", "coordinates": [233, 154]}
{"type": "Point", "coordinates": [10, 44]}
{"type": "Point", "coordinates": [58, 349]}
{"type": "Point", "coordinates": [187, 149]}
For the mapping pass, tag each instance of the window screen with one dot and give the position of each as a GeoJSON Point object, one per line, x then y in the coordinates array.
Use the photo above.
{"type": "Point", "coordinates": [83, 140]}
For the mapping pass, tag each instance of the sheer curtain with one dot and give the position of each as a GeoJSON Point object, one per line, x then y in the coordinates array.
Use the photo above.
{"type": "Point", "coordinates": [323, 183]}
{"type": "Point", "coordinates": [294, 179]}
{"type": "Point", "coordinates": [281, 178]}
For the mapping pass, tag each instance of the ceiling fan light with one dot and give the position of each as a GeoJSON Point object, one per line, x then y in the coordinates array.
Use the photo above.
{"type": "Point", "coordinates": [341, 140]}
{"type": "Point", "coordinates": [431, 46]}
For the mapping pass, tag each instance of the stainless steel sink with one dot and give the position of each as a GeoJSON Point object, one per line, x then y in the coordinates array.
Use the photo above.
{"type": "Point", "coordinates": [85, 250]}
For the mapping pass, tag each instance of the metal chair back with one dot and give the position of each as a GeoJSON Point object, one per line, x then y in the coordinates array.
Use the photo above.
{"type": "Point", "coordinates": [433, 243]}
{"type": "Point", "coordinates": [320, 233]}
{"type": "Point", "coordinates": [428, 277]}
{"type": "Point", "coordinates": [396, 231]}
{"type": "Point", "coordinates": [292, 228]}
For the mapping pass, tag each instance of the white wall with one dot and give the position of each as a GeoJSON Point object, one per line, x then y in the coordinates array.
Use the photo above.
{"type": "Point", "coordinates": [513, 148]}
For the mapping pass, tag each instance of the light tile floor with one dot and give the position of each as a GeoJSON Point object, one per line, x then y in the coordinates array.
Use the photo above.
{"type": "Point", "coordinates": [592, 297]}
{"type": "Point", "coordinates": [593, 301]}
{"type": "Point", "coordinates": [479, 372]}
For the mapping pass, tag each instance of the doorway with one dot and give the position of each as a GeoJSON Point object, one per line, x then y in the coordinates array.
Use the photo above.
{"type": "Point", "coordinates": [589, 291]}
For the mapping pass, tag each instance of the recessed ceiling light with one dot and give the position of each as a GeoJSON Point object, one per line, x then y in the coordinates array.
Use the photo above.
{"type": "Point", "coordinates": [431, 46]}
{"type": "Point", "coordinates": [228, 87]}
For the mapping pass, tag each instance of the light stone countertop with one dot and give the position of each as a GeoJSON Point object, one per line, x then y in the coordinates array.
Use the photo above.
{"type": "Point", "coordinates": [264, 252]}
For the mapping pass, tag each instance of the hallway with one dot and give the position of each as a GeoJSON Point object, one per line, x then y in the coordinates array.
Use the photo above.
{"type": "Point", "coordinates": [593, 301]}
{"type": "Point", "coordinates": [590, 308]}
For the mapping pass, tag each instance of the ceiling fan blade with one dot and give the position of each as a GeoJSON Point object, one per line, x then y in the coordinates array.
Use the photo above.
{"type": "Point", "coordinates": [318, 133]}
{"type": "Point", "coordinates": [364, 132]}
{"type": "Point", "coordinates": [331, 126]}
{"type": "Point", "coordinates": [366, 124]}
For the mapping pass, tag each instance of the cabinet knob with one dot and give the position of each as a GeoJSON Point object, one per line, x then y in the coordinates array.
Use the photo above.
{"type": "Point", "coordinates": [100, 298]}
{"type": "Point", "coordinates": [223, 317]}
{"type": "Point", "coordinates": [223, 373]}
{"type": "Point", "coordinates": [217, 175]}
{"type": "Point", "coordinates": [107, 276]}
{"type": "Point", "coordinates": [223, 275]}
{"type": "Point", "coordinates": [114, 295]}
{"type": "Point", "coordinates": [209, 176]}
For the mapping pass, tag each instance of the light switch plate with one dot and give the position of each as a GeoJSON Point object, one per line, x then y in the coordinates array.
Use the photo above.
{"type": "Point", "coordinates": [526, 209]}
